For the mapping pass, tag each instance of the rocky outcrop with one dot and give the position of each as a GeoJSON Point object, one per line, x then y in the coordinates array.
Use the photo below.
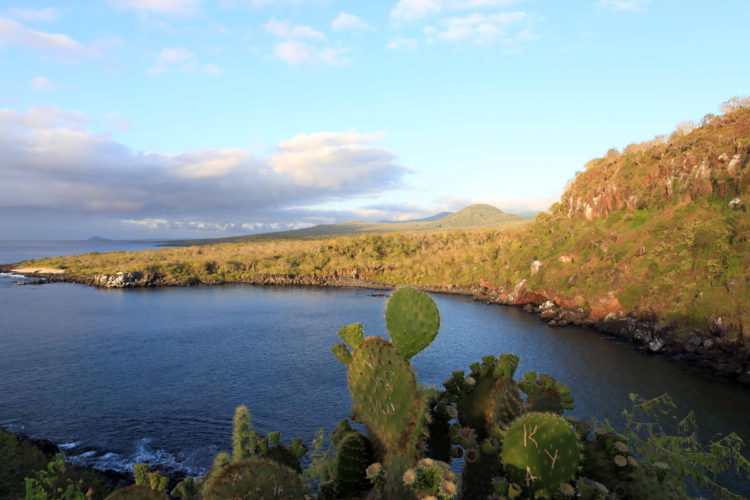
{"type": "Point", "coordinates": [684, 168]}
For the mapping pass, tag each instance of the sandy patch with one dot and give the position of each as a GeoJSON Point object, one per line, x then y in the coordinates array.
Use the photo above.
{"type": "Point", "coordinates": [38, 270]}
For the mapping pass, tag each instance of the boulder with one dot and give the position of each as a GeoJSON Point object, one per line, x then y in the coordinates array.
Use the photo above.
{"type": "Point", "coordinates": [734, 165]}
{"type": "Point", "coordinates": [720, 326]}
{"type": "Point", "coordinates": [736, 203]}
{"type": "Point", "coordinates": [535, 266]}
{"type": "Point", "coordinates": [656, 345]}
{"type": "Point", "coordinates": [640, 252]}
{"type": "Point", "coordinates": [521, 295]}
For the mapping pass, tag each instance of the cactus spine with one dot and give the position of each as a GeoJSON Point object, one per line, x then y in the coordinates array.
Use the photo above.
{"type": "Point", "coordinates": [541, 451]}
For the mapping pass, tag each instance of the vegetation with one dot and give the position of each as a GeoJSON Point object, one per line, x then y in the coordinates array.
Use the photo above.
{"type": "Point", "coordinates": [512, 434]}
{"type": "Point", "coordinates": [661, 229]}
{"type": "Point", "coordinates": [46, 474]}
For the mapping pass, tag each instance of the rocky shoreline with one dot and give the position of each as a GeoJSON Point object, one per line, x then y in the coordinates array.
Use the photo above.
{"type": "Point", "coordinates": [709, 350]}
{"type": "Point", "coordinates": [24, 456]}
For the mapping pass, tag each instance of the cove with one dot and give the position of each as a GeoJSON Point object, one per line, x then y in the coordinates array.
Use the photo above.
{"type": "Point", "coordinates": [123, 376]}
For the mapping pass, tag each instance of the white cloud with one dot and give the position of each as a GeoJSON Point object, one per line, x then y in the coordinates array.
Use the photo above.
{"type": "Point", "coordinates": [46, 14]}
{"type": "Point", "coordinates": [402, 44]}
{"type": "Point", "coordinates": [406, 10]}
{"type": "Point", "coordinates": [286, 29]}
{"type": "Point", "coordinates": [296, 53]}
{"type": "Point", "coordinates": [52, 162]}
{"type": "Point", "coordinates": [14, 33]}
{"type": "Point", "coordinates": [477, 28]}
{"type": "Point", "coordinates": [180, 59]}
{"type": "Point", "coordinates": [303, 45]}
{"type": "Point", "coordinates": [42, 84]}
{"type": "Point", "coordinates": [326, 159]}
{"type": "Point", "coordinates": [233, 4]}
{"type": "Point", "coordinates": [349, 22]}
{"type": "Point", "coordinates": [174, 55]}
{"type": "Point", "coordinates": [181, 7]}
{"type": "Point", "coordinates": [415, 9]}
{"type": "Point", "coordinates": [623, 5]}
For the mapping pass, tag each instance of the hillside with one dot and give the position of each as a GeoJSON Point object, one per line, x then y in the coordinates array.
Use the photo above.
{"type": "Point", "coordinates": [652, 244]}
{"type": "Point", "coordinates": [473, 216]}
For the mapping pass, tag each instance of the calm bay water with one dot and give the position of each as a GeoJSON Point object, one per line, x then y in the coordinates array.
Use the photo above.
{"type": "Point", "coordinates": [122, 376]}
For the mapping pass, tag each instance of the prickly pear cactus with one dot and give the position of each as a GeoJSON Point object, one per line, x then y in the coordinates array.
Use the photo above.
{"type": "Point", "coordinates": [504, 402]}
{"type": "Point", "coordinates": [384, 392]}
{"type": "Point", "coordinates": [476, 478]}
{"type": "Point", "coordinates": [243, 437]}
{"type": "Point", "coordinates": [475, 403]}
{"type": "Point", "coordinates": [540, 451]}
{"type": "Point", "coordinates": [136, 492]}
{"type": "Point", "coordinates": [412, 319]}
{"type": "Point", "coordinates": [353, 457]}
{"type": "Point", "coordinates": [589, 489]}
{"type": "Point", "coordinates": [256, 478]}
{"type": "Point", "coordinates": [187, 489]}
{"type": "Point", "coordinates": [545, 394]}
{"type": "Point", "coordinates": [352, 335]}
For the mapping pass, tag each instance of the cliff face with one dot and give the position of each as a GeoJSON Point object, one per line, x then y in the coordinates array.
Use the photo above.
{"type": "Point", "coordinates": [709, 161]}
{"type": "Point", "coordinates": [660, 231]}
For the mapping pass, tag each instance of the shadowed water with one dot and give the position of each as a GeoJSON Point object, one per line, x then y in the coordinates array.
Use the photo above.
{"type": "Point", "coordinates": [121, 376]}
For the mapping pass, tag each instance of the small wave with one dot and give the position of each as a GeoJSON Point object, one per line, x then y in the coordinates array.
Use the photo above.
{"type": "Point", "coordinates": [143, 453]}
{"type": "Point", "coordinates": [15, 428]}
{"type": "Point", "coordinates": [69, 446]}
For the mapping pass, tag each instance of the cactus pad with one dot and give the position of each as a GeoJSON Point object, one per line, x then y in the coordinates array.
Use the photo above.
{"type": "Point", "coordinates": [384, 392]}
{"type": "Point", "coordinates": [540, 451]}
{"type": "Point", "coordinates": [354, 455]}
{"type": "Point", "coordinates": [412, 319]}
{"type": "Point", "coordinates": [341, 351]}
{"type": "Point", "coordinates": [256, 478]}
{"type": "Point", "coordinates": [505, 402]}
{"type": "Point", "coordinates": [352, 334]}
{"type": "Point", "coordinates": [545, 394]}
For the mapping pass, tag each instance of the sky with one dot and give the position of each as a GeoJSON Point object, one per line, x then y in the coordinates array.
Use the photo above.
{"type": "Point", "coordinates": [161, 119]}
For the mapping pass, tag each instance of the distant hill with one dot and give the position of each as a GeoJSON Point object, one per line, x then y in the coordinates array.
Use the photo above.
{"type": "Point", "coordinates": [432, 218]}
{"type": "Point", "coordinates": [479, 215]}
{"type": "Point", "coordinates": [473, 216]}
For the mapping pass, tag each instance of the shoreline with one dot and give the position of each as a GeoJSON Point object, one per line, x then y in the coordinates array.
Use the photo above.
{"type": "Point", "coordinates": [706, 351]}
{"type": "Point", "coordinates": [24, 456]}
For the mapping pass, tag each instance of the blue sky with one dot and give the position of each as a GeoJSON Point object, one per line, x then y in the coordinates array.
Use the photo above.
{"type": "Point", "coordinates": [201, 118]}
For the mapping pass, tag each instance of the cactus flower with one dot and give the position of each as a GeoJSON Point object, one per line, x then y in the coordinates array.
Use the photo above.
{"type": "Point", "coordinates": [373, 470]}
{"type": "Point", "coordinates": [410, 476]}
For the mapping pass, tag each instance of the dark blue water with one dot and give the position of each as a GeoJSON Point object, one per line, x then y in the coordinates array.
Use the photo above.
{"type": "Point", "coordinates": [122, 376]}
{"type": "Point", "coordinates": [12, 251]}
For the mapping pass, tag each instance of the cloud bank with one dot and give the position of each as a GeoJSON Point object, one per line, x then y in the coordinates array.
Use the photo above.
{"type": "Point", "coordinates": [53, 162]}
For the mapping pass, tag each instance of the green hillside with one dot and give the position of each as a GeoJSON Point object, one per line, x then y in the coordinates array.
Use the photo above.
{"type": "Point", "coordinates": [473, 216]}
